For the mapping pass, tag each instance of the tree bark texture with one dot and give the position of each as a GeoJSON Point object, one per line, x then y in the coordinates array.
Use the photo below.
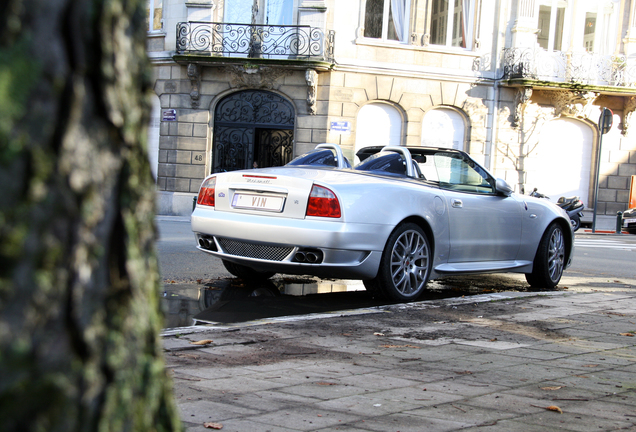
{"type": "Point", "coordinates": [79, 283]}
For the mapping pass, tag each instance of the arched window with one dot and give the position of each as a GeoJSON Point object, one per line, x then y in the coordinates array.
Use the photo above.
{"type": "Point", "coordinates": [378, 124]}
{"type": "Point", "coordinates": [252, 129]}
{"type": "Point", "coordinates": [443, 128]}
{"type": "Point", "coordinates": [561, 163]}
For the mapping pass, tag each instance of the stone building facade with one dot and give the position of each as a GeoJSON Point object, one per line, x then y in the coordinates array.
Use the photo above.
{"type": "Point", "coordinates": [476, 75]}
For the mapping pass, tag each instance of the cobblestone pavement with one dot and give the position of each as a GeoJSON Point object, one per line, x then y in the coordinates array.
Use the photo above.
{"type": "Point", "coordinates": [495, 362]}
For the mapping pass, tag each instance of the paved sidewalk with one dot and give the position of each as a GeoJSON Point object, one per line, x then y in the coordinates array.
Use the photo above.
{"type": "Point", "coordinates": [496, 362]}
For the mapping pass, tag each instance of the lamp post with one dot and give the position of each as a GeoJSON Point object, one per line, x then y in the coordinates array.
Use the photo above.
{"type": "Point", "coordinates": [604, 125]}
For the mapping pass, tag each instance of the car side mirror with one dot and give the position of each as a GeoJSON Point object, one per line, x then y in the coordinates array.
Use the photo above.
{"type": "Point", "coordinates": [502, 187]}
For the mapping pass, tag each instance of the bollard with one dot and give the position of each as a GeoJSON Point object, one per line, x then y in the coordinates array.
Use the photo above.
{"type": "Point", "coordinates": [619, 222]}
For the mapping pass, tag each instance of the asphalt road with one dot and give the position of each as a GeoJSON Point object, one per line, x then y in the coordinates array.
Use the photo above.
{"type": "Point", "coordinates": [179, 259]}
{"type": "Point", "coordinates": [595, 255]}
{"type": "Point", "coordinates": [600, 254]}
{"type": "Point", "coordinates": [196, 285]}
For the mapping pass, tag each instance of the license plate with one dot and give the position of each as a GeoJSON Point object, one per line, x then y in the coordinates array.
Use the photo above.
{"type": "Point", "coordinates": [629, 221]}
{"type": "Point", "coordinates": [258, 202]}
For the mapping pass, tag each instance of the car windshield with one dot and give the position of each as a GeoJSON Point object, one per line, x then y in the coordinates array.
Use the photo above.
{"type": "Point", "coordinates": [448, 169]}
{"type": "Point", "coordinates": [452, 171]}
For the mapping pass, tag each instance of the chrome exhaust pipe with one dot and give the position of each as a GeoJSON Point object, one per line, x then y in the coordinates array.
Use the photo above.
{"type": "Point", "coordinates": [311, 257]}
{"type": "Point", "coordinates": [300, 256]}
{"type": "Point", "coordinates": [205, 243]}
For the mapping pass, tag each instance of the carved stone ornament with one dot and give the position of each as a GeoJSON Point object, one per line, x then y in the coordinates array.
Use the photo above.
{"type": "Point", "coordinates": [521, 100]}
{"type": "Point", "coordinates": [255, 77]}
{"type": "Point", "coordinates": [194, 74]}
{"type": "Point", "coordinates": [311, 76]}
{"type": "Point", "coordinates": [572, 103]}
{"type": "Point", "coordinates": [628, 112]}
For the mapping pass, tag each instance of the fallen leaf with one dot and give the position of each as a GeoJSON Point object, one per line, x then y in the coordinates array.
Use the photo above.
{"type": "Point", "coordinates": [213, 425]}
{"type": "Point", "coordinates": [550, 408]}
{"type": "Point", "coordinates": [554, 408]}
{"type": "Point", "coordinates": [627, 334]}
{"type": "Point", "coordinates": [398, 346]}
{"type": "Point", "coordinates": [202, 342]}
{"type": "Point", "coordinates": [552, 388]}
{"type": "Point", "coordinates": [493, 340]}
{"type": "Point", "coordinates": [323, 383]}
{"type": "Point", "coordinates": [378, 334]}
{"type": "Point", "coordinates": [591, 365]}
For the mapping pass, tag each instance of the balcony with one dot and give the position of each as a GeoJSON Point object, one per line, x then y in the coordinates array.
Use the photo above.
{"type": "Point", "coordinates": [568, 68]}
{"type": "Point", "coordinates": [255, 41]}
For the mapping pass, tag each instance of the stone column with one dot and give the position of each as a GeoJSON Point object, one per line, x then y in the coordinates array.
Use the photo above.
{"type": "Point", "coordinates": [630, 37]}
{"type": "Point", "coordinates": [312, 13]}
{"type": "Point", "coordinates": [200, 10]}
{"type": "Point", "coordinates": [524, 31]}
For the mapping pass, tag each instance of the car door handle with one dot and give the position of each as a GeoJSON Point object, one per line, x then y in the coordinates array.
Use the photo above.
{"type": "Point", "coordinates": [457, 203]}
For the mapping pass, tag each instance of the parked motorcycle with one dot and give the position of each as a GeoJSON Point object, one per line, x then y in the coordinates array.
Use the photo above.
{"type": "Point", "coordinates": [573, 206]}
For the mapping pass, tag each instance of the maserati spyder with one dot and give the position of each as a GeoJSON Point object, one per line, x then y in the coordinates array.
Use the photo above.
{"type": "Point", "coordinates": [401, 217]}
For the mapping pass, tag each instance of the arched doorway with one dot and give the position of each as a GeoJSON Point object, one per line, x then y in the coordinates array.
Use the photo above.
{"type": "Point", "coordinates": [378, 124]}
{"type": "Point", "coordinates": [561, 163]}
{"type": "Point", "coordinates": [252, 128]}
{"type": "Point", "coordinates": [443, 128]}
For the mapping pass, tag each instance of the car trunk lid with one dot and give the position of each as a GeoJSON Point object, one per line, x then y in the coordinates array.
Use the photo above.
{"type": "Point", "coordinates": [263, 192]}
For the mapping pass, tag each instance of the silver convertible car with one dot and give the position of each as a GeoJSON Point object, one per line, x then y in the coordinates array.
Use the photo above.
{"type": "Point", "coordinates": [401, 217]}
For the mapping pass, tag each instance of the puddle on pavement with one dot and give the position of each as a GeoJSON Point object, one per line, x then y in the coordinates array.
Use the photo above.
{"type": "Point", "coordinates": [233, 301]}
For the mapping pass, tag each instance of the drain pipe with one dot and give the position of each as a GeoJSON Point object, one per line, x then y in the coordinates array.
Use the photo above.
{"type": "Point", "coordinates": [493, 129]}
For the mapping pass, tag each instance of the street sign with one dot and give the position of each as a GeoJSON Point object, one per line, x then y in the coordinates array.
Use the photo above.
{"type": "Point", "coordinates": [605, 120]}
{"type": "Point", "coordinates": [169, 115]}
{"type": "Point", "coordinates": [342, 127]}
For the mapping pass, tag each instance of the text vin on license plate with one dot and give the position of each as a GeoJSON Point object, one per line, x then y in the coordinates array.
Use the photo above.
{"type": "Point", "coordinates": [258, 202]}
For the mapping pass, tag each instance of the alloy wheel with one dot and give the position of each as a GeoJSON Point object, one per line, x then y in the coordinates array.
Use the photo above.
{"type": "Point", "coordinates": [410, 263]}
{"type": "Point", "coordinates": [556, 255]}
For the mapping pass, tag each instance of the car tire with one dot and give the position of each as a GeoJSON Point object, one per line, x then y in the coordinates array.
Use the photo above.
{"type": "Point", "coordinates": [549, 261]}
{"type": "Point", "coordinates": [246, 273]}
{"type": "Point", "coordinates": [405, 265]}
{"type": "Point", "coordinates": [575, 221]}
{"type": "Point", "coordinates": [630, 230]}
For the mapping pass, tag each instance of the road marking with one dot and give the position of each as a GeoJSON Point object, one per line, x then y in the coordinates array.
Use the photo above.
{"type": "Point", "coordinates": [607, 244]}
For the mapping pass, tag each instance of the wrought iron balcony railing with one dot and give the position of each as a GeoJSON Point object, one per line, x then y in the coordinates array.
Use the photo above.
{"type": "Point", "coordinates": [255, 41]}
{"type": "Point", "coordinates": [569, 67]}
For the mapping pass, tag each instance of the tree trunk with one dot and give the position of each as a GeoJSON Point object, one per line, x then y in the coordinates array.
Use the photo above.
{"type": "Point", "coordinates": [79, 284]}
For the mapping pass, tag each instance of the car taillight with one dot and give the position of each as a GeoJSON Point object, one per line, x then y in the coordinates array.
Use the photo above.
{"type": "Point", "coordinates": [323, 202]}
{"type": "Point", "coordinates": [206, 193]}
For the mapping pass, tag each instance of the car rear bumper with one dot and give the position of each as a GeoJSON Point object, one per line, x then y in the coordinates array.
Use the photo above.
{"type": "Point", "coordinates": [346, 250]}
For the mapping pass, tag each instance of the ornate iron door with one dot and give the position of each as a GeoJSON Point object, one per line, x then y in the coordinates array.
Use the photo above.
{"type": "Point", "coordinates": [252, 126]}
{"type": "Point", "coordinates": [274, 147]}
